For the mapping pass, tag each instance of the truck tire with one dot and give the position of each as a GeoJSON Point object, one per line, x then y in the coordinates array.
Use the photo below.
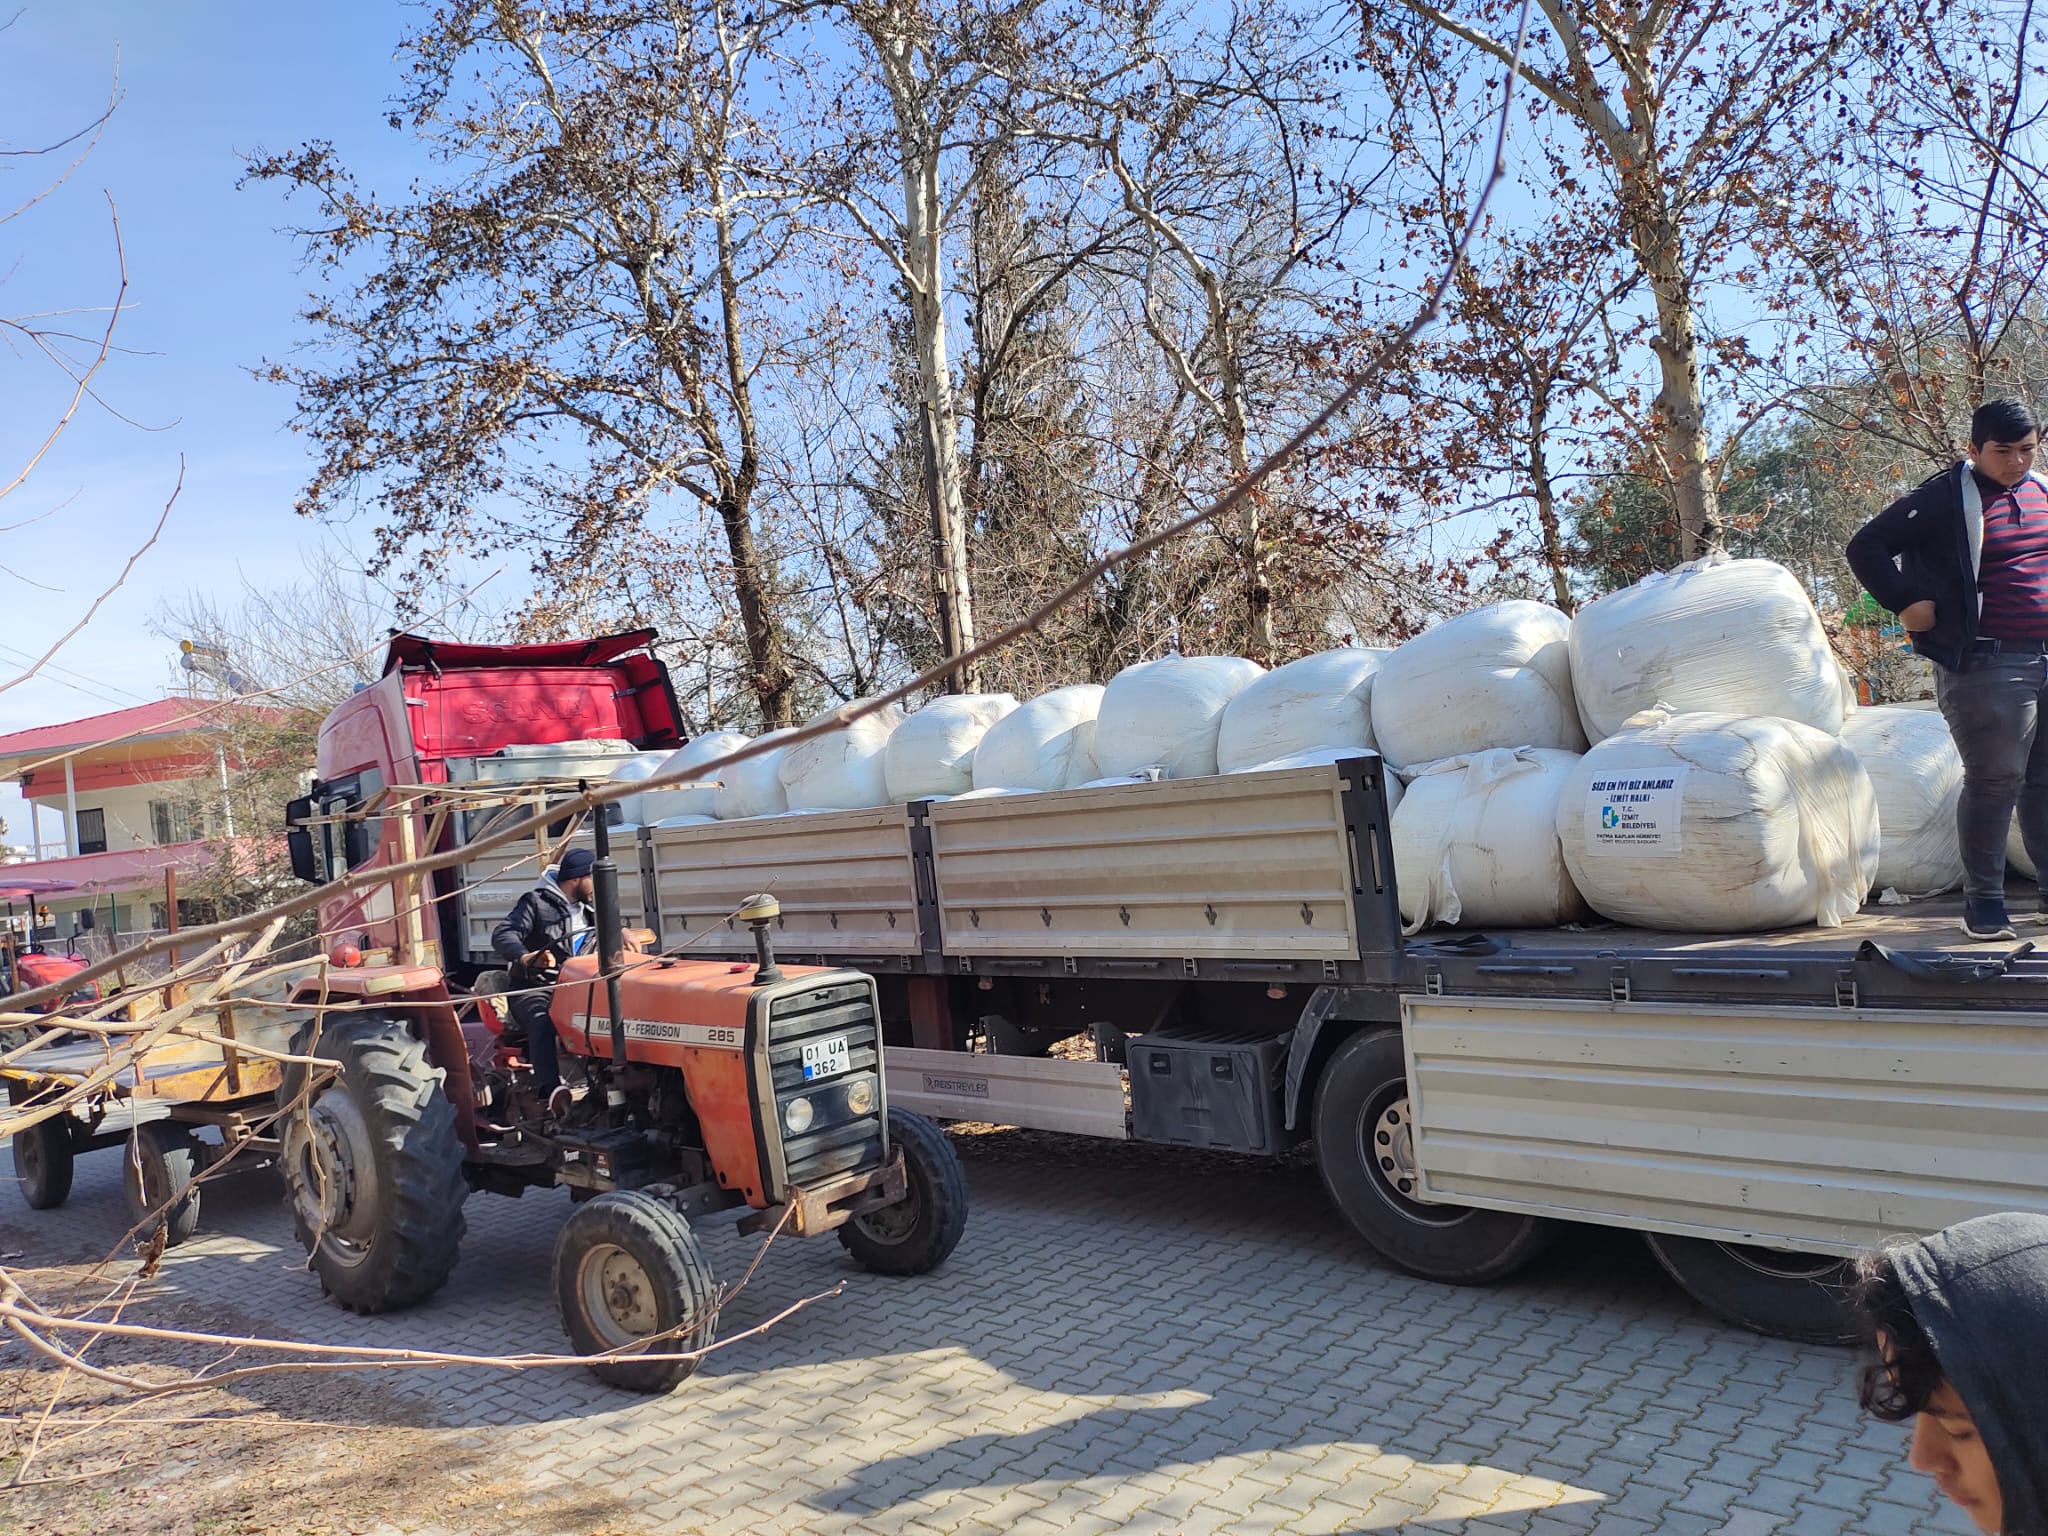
{"type": "Point", "coordinates": [43, 1160]}
{"type": "Point", "coordinates": [373, 1169]}
{"type": "Point", "coordinates": [1364, 1148]}
{"type": "Point", "coordinates": [914, 1235]}
{"type": "Point", "coordinates": [1770, 1290]}
{"type": "Point", "coordinates": [157, 1169]}
{"type": "Point", "coordinates": [628, 1268]}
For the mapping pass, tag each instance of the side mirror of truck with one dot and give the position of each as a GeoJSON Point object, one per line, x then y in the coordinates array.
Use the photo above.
{"type": "Point", "coordinates": [307, 867]}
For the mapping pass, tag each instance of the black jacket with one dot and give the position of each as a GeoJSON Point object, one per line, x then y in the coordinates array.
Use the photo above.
{"type": "Point", "coordinates": [544, 918]}
{"type": "Point", "coordinates": [1927, 545]}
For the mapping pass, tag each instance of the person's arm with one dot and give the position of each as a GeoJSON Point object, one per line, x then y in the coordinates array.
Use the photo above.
{"type": "Point", "coordinates": [1873, 555]}
{"type": "Point", "coordinates": [509, 937]}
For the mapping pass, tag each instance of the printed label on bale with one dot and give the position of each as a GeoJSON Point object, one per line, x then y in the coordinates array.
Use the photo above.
{"type": "Point", "coordinates": [1636, 813]}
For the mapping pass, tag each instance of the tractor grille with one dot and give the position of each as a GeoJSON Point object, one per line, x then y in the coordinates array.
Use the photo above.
{"type": "Point", "coordinates": [838, 1140]}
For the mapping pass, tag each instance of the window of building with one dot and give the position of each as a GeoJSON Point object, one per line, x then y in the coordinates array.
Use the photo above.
{"type": "Point", "coordinates": [92, 831]}
{"type": "Point", "coordinates": [170, 821]}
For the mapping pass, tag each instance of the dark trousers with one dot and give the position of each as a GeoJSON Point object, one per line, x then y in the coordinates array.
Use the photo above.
{"type": "Point", "coordinates": [1993, 708]}
{"type": "Point", "coordinates": [530, 1009]}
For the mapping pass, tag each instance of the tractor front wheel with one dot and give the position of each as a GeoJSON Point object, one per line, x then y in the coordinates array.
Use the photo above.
{"type": "Point", "coordinates": [373, 1169]}
{"type": "Point", "coordinates": [917, 1232]}
{"type": "Point", "coordinates": [630, 1273]}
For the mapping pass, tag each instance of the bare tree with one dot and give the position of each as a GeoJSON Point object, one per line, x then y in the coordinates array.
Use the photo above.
{"type": "Point", "coordinates": [1692, 129]}
{"type": "Point", "coordinates": [569, 329]}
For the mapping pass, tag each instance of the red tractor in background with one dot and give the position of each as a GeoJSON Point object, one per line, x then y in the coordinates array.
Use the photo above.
{"type": "Point", "coordinates": [711, 1084]}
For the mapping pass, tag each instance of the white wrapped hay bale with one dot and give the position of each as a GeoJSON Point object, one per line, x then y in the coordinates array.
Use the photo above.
{"type": "Point", "coordinates": [844, 769]}
{"type": "Point", "coordinates": [1499, 676]}
{"type": "Point", "coordinates": [665, 804]}
{"type": "Point", "coordinates": [1475, 842]}
{"type": "Point", "coordinates": [1918, 776]}
{"type": "Point", "coordinates": [1167, 714]}
{"type": "Point", "coordinates": [1323, 700]}
{"type": "Point", "coordinates": [632, 811]}
{"type": "Point", "coordinates": [753, 787]}
{"type": "Point", "coordinates": [1720, 823]}
{"type": "Point", "coordinates": [2016, 851]}
{"type": "Point", "coordinates": [1733, 636]}
{"type": "Point", "coordinates": [1047, 743]}
{"type": "Point", "coordinates": [932, 752]}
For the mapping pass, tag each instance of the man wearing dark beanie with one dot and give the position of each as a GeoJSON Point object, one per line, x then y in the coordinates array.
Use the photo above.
{"type": "Point", "coordinates": [537, 935]}
{"type": "Point", "coordinates": [1963, 561]}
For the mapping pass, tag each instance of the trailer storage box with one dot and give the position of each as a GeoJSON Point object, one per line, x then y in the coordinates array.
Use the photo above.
{"type": "Point", "coordinates": [1198, 1087]}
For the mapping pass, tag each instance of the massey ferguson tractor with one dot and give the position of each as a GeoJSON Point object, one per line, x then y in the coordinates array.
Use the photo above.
{"type": "Point", "coordinates": [706, 1084]}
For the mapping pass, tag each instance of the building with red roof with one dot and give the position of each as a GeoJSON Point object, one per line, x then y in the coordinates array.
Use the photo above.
{"type": "Point", "coordinates": [122, 783]}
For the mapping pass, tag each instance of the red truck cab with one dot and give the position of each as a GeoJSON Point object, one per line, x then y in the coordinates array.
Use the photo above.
{"type": "Point", "coordinates": [439, 704]}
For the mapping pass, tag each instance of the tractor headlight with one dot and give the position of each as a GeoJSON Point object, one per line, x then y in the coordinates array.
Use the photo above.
{"type": "Point", "coordinates": [860, 1096]}
{"type": "Point", "coordinates": [796, 1115]}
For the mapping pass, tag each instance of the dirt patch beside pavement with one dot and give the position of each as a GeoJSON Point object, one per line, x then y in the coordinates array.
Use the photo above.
{"type": "Point", "coordinates": [319, 1454]}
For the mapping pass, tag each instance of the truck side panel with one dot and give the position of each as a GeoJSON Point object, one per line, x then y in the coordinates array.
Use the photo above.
{"type": "Point", "coordinates": [1815, 1128]}
{"type": "Point", "coordinates": [1258, 866]}
{"type": "Point", "coordinates": [846, 881]}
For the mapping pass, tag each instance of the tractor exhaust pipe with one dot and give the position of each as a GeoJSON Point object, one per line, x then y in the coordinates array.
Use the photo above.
{"type": "Point", "coordinates": [611, 948]}
{"type": "Point", "coordinates": [757, 913]}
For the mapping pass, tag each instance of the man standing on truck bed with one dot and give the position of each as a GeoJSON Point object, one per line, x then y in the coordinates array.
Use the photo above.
{"type": "Point", "coordinates": [1963, 561]}
{"type": "Point", "coordinates": [538, 934]}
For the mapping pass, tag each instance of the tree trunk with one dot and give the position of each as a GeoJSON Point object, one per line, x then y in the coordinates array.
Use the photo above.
{"type": "Point", "coordinates": [1258, 582]}
{"type": "Point", "coordinates": [924, 257]}
{"type": "Point", "coordinates": [1546, 505]}
{"type": "Point", "coordinates": [1681, 399]}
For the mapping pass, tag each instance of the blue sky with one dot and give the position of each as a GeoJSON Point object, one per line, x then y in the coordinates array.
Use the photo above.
{"type": "Point", "coordinates": [214, 285]}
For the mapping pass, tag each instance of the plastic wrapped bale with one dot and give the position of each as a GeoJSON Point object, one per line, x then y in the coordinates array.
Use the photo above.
{"type": "Point", "coordinates": [2016, 851]}
{"type": "Point", "coordinates": [1323, 700]}
{"type": "Point", "coordinates": [932, 752]}
{"type": "Point", "coordinates": [1738, 637]}
{"type": "Point", "coordinates": [1047, 743]}
{"type": "Point", "coordinates": [632, 811]}
{"type": "Point", "coordinates": [752, 787]}
{"type": "Point", "coordinates": [1720, 824]}
{"type": "Point", "coordinates": [694, 800]}
{"type": "Point", "coordinates": [843, 769]}
{"type": "Point", "coordinates": [1918, 776]}
{"type": "Point", "coordinates": [1475, 842]}
{"type": "Point", "coordinates": [1499, 676]}
{"type": "Point", "coordinates": [1316, 757]}
{"type": "Point", "coordinates": [1167, 714]}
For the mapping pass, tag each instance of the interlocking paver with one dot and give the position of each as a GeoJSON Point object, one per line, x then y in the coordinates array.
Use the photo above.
{"type": "Point", "coordinates": [1120, 1344]}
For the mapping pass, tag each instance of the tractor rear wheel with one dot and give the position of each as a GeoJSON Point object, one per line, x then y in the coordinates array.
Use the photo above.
{"type": "Point", "coordinates": [373, 1169]}
{"type": "Point", "coordinates": [158, 1167]}
{"type": "Point", "coordinates": [628, 1270]}
{"type": "Point", "coordinates": [917, 1232]}
{"type": "Point", "coordinates": [43, 1162]}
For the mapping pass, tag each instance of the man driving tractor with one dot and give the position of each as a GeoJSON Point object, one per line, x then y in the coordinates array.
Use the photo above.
{"type": "Point", "coordinates": [537, 935]}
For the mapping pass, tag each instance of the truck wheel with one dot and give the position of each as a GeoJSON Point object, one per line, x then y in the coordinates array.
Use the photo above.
{"type": "Point", "coordinates": [157, 1169]}
{"type": "Point", "coordinates": [915, 1234]}
{"type": "Point", "coordinates": [629, 1268]}
{"type": "Point", "coordinates": [1771, 1290]}
{"type": "Point", "coordinates": [373, 1169]}
{"type": "Point", "coordinates": [1364, 1146]}
{"type": "Point", "coordinates": [43, 1162]}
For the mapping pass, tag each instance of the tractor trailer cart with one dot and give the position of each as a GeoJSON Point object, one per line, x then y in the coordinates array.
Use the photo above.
{"type": "Point", "coordinates": [1759, 1106]}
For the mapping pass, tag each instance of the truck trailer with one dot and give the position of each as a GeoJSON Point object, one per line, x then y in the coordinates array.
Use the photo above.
{"type": "Point", "coordinates": [1230, 951]}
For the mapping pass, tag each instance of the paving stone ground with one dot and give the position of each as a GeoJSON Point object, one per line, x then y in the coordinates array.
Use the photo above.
{"type": "Point", "coordinates": [1121, 1343]}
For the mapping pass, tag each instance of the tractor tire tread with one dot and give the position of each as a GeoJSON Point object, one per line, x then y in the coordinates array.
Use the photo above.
{"type": "Point", "coordinates": [650, 1229]}
{"type": "Point", "coordinates": [929, 1160]}
{"type": "Point", "coordinates": [413, 1123]}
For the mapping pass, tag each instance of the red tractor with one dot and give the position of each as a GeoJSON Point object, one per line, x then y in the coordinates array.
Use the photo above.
{"type": "Point", "coordinates": [711, 1084]}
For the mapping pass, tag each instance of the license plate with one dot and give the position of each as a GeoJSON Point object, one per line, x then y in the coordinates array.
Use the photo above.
{"type": "Point", "coordinates": [824, 1058]}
